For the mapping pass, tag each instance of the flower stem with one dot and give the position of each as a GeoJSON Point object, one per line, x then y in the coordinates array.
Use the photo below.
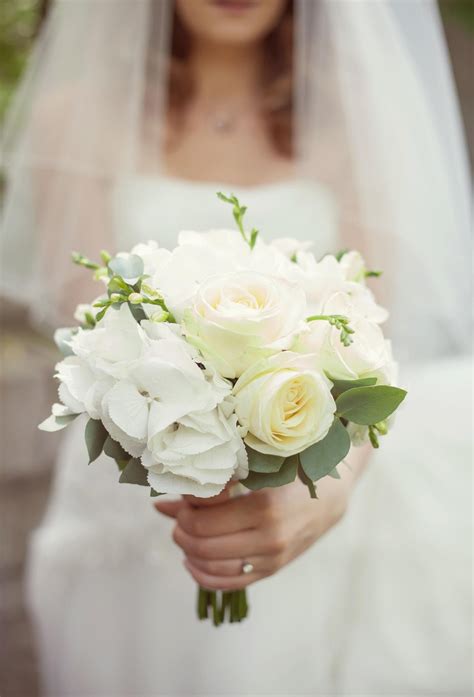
{"type": "Point", "coordinates": [340, 322]}
{"type": "Point", "coordinates": [238, 212]}
{"type": "Point", "coordinates": [230, 606]}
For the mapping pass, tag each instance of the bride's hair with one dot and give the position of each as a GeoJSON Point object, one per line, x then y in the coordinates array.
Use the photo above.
{"type": "Point", "coordinates": [277, 80]}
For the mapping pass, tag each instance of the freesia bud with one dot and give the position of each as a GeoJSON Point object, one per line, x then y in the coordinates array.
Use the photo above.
{"type": "Point", "coordinates": [160, 316]}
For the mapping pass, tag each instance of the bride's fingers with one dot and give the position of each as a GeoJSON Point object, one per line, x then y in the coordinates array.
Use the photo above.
{"type": "Point", "coordinates": [224, 583]}
{"type": "Point", "coordinates": [239, 545]}
{"type": "Point", "coordinates": [197, 502]}
{"type": "Point", "coordinates": [231, 516]}
{"type": "Point", "coordinates": [230, 567]}
{"type": "Point", "coordinates": [170, 508]}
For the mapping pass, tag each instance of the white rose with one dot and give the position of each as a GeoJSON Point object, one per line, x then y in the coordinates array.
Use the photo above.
{"type": "Point", "coordinates": [369, 354]}
{"type": "Point", "coordinates": [197, 455]}
{"type": "Point", "coordinates": [285, 404]}
{"type": "Point", "coordinates": [197, 257]}
{"type": "Point", "coordinates": [238, 317]}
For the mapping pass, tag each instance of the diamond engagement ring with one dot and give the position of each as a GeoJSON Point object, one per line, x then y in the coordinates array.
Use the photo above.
{"type": "Point", "coordinates": [247, 567]}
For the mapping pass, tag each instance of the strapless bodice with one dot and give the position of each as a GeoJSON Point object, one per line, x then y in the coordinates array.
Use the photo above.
{"type": "Point", "coordinates": [159, 207]}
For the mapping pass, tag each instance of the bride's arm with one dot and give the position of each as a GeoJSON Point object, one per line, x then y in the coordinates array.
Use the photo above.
{"type": "Point", "coordinates": [267, 528]}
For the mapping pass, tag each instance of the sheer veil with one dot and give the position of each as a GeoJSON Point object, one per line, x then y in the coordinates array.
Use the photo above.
{"type": "Point", "coordinates": [376, 121]}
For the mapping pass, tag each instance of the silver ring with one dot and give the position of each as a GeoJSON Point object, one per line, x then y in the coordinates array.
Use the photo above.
{"type": "Point", "coordinates": [247, 567]}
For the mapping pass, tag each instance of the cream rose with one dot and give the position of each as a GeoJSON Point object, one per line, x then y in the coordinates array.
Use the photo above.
{"type": "Point", "coordinates": [237, 318]}
{"type": "Point", "coordinates": [285, 404]}
{"type": "Point", "coordinates": [369, 354]}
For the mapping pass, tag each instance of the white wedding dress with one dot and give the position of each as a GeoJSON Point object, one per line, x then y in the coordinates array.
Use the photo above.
{"type": "Point", "coordinates": [379, 606]}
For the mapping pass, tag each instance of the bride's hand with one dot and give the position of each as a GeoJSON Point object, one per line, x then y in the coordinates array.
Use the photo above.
{"type": "Point", "coordinates": [267, 529]}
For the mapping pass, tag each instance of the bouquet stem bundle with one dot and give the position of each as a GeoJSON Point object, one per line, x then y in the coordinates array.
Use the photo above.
{"type": "Point", "coordinates": [222, 606]}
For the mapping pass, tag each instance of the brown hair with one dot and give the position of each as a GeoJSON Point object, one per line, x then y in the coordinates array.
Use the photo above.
{"type": "Point", "coordinates": [277, 80]}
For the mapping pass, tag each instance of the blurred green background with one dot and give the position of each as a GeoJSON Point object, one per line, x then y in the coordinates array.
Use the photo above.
{"type": "Point", "coordinates": [20, 21]}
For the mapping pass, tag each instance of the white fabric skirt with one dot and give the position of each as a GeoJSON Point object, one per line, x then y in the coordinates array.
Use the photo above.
{"type": "Point", "coordinates": [379, 606]}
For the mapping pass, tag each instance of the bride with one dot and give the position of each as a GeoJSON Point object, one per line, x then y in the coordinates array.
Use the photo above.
{"type": "Point", "coordinates": [333, 123]}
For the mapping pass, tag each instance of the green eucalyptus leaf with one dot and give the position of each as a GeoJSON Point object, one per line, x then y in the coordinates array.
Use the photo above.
{"type": "Point", "coordinates": [260, 462]}
{"type": "Point", "coordinates": [121, 464]}
{"type": "Point", "coordinates": [341, 386]}
{"type": "Point", "coordinates": [96, 435]}
{"type": "Point", "coordinates": [115, 450]}
{"type": "Point", "coordinates": [154, 493]}
{"type": "Point", "coordinates": [334, 474]}
{"type": "Point", "coordinates": [128, 267]}
{"type": "Point", "coordinates": [261, 480]}
{"type": "Point", "coordinates": [321, 458]}
{"type": "Point", "coordinates": [137, 312]}
{"type": "Point", "coordinates": [134, 473]}
{"type": "Point", "coordinates": [369, 405]}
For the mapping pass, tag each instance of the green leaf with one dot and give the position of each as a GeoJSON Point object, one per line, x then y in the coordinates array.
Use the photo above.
{"type": "Point", "coordinates": [286, 475]}
{"type": "Point", "coordinates": [134, 473]}
{"type": "Point", "coordinates": [137, 312]}
{"type": "Point", "coordinates": [154, 493]}
{"type": "Point", "coordinates": [96, 436]}
{"type": "Point", "coordinates": [334, 474]}
{"type": "Point", "coordinates": [115, 450]}
{"type": "Point", "coordinates": [128, 267]}
{"type": "Point", "coordinates": [321, 458]}
{"type": "Point", "coordinates": [253, 237]}
{"type": "Point", "coordinates": [341, 386]}
{"type": "Point", "coordinates": [118, 285]}
{"type": "Point", "coordinates": [100, 315]}
{"type": "Point", "coordinates": [369, 405]}
{"type": "Point", "coordinates": [260, 462]}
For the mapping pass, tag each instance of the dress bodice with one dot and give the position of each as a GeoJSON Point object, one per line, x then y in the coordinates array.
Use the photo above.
{"type": "Point", "coordinates": [159, 207]}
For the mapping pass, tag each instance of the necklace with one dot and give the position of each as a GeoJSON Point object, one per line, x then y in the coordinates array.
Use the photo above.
{"type": "Point", "coordinates": [224, 122]}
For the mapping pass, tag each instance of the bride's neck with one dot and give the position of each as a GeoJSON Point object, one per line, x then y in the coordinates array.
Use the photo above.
{"type": "Point", "coordinates": [226, 72]}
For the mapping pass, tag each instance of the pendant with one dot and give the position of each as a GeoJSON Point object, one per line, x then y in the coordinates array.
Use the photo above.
{"type": "Point", "coordinates": [223, 123]}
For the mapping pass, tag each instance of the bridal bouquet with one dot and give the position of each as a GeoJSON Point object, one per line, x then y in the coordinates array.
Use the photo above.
{"type": "Point", "coordinates": [227, 359]}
